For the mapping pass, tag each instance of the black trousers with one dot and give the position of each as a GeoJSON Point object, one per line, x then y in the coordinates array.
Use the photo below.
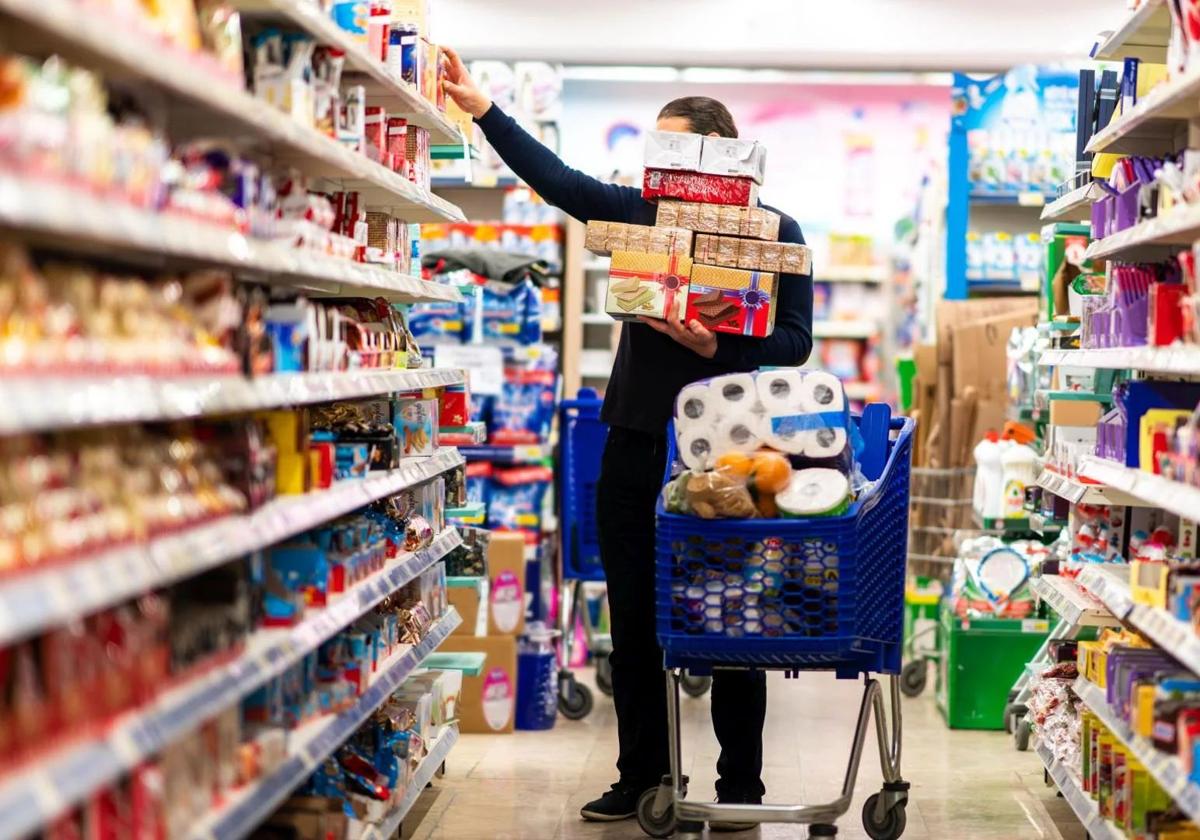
{"type": "Point", "coordinates": [630, 481]}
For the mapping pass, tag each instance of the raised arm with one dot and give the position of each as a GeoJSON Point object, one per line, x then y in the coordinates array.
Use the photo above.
{"type": "Point", "coordinates": [577, 194]}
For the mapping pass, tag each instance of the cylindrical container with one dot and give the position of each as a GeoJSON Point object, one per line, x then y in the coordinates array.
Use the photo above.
{"type": "Point", "coordinates": [537, 688]}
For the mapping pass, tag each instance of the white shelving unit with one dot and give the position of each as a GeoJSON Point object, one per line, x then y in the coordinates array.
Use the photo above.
{"type": "Point", "coordinates": [1143, 35]}
{"type": "Point", "coordinates": [1075, 491]}
{"type": "Point", "coordinates": [69, 218]}
{"type": "Point", "coordinates": [1073, 206]}
{"type": "Point", "coordinates": [390, 824]}
{"type": "Point", "coordinates": [88, 34]}
{"type": "Point", "coordinates": [1150, 239]}
{"type": "Point", "coordinates": [44, 403]}
{"type": "Point", "coordinates": [1179, 359]}
{"type": "Point", "coordinates": [853, 274]}
{"type": "Point", "coordinates": [1084, 806]}
{"type": "Point", "coordinates": [1072, 604]}
{"type": "Point", "coordinates": [71, 773]}
{"type": "Point", "coordinates": [196, 99]}
{"type": "Point", "coordinates": [1176, 497]}
{"type": "Point", "coordinates": [308, 746]}
{"type": "Point", "coordinates": [1167, 769]}
{"type": "Point", "coordinates": [1156, 123]}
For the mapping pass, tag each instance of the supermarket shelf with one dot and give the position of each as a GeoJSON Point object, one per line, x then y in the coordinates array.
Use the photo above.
{"type": "Point", "coordinates": [1157, 123]}
{"type": "Point", "coordinates": [1022, 198]}
{"type": "Point", "coordinates": [602, 318]}
{"type": "Point", "coordinates": [1109, 584]}
{"type": "Point", "coordinates": [861, 390]}
{"type": "Point", "coordinates": [1181, 359]}
{"type": "Point", "coordinates": [844, 329]}
{"type": "Point", "coordinates": [1151, 239]}
{"type": "Point", "coordinates": [1081, 803]}
{"type": "Point", "coordinates": [1042, 526]}
{"type": "Point", "coordinates": [383, 87]}
{"type": "Point", "coordinates": [1076, 491]}
{"type": "Point", "coordinates": [472, 434]}
{"type": "Point", "coordinates": [470, 663]}
{"type": "Point", "coordinates": [87, 33]}
{"type": "Point", "coordinates": [77, 770]}
{"type": "Point", "coordinates": [45, 403]}
{"type": "Point", "coordinates": [390, 824]}
{"type": "Point", "coordinates": [1073, 605]}
{"type": "Point", "coordinates": [37, 600]}
{"type": "Point", "coordinates": [72, 219]}
{"type": "Point", "coordinates": [521, 453]}
{"type": "Point", "coordinates": [854, 274]}
{"type": "Point", "coordinates": [1154, 490]}
{"type": "Point", "coordinates": [1143, 35]}
{"type": "Point", "coordinates": [1167, 769]}
{"type": "Point", "coordinates": [1073, 206]}
{"type": "Point", "coordinates": [481, 182]}
{"type": "Point", "coordinates": [469, 514]}
{"type": "Point", "coordinates": [308, 746]}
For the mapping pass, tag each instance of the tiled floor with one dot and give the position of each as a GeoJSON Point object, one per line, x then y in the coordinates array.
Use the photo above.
{"type": "Point", "coordinates": [965, 784]}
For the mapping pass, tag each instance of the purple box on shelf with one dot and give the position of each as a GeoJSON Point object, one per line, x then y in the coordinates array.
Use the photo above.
{"type": "Point", "coordinates": [1110, 436]}
{"type": "Point", "coordinates": [1125, 210]}
{"type": "Point", "coordinates": [1102, 216]}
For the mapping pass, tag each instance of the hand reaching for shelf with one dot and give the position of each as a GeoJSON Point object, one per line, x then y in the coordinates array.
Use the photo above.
{"type": "Point", "coordinates": [462, 88]}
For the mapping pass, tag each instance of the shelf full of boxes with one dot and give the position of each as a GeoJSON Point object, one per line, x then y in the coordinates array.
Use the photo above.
{"type": "Point", "coordinates": [225, 538]}
{"type": "Point", "coordinates": [1120, 359]}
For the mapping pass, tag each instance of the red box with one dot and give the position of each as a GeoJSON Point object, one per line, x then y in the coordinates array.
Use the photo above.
{"type": "Point", "coordinates": [732, 300]}
{"type": "Point", "coordinates": [455, 408]}
{"type": "Point", "coordinates": [397, 142]}
{"type": "Point", "coordinates": [695, 186]}
{"type": "Point", "coordinates": [376, 135]}
{"type": "Point", "coordinates": [1166, 313]}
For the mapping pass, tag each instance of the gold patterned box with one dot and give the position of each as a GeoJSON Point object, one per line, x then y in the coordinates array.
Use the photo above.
{"type": "Point", "coordinates": [752, 254]}
{"type": "Point", "coordinates": [649, 285]}
{"type": "Point", "coordinates": [731, 220]}
{"type": "Point", "coordinates": [604, 238]}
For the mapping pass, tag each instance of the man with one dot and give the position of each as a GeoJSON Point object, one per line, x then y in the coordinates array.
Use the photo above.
{"type": "Point", "coordinates": [654, 361]}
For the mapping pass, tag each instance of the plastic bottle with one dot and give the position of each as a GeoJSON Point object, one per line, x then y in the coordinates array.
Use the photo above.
{"type": "Point", "coordinates": [1018, 465]}
{"type": "Point", "coordinates": [986, 496]}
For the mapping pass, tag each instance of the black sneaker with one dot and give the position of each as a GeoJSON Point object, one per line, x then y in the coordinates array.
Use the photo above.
{"type": "Point", "coordinates": [619, 803]}
{"type": "Point", "coordinates": [721, 826]}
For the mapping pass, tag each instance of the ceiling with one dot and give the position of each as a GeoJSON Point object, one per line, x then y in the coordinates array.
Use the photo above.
{"type": "Point", "coordinates": [790, 34]}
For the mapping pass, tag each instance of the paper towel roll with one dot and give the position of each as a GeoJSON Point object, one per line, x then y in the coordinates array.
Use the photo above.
{"type": "Point", "coordinates": [696, 403]}
{"type": "Point", "coordinates": [740, 432]}
{"type": "Point", "coordinates": [735, 391]}
{"type": "Point", "coordinates": [814, 492]}
{"type": "Point", "coordinates": [779, 391]}
{"type": "Point", "coordinates": [696, 448]}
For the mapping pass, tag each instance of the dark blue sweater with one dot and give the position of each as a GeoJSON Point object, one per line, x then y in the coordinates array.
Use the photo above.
{"type": "Point", "coordinates": [651, 368]}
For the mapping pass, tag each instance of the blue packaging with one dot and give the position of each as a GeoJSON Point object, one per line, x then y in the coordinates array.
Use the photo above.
{"type": "Point", "coordinates": [515, 498]}
{"type": "Point", "coordinates": [511, 316]}
{"type": "Point", "coordinates": [296, 576]}
{"type": "Point", "coordinates": [351, 460]}
{"type": "Point", "coordinates": [436, 321]}
{"type": "Point", "coordinates": [524, 409]}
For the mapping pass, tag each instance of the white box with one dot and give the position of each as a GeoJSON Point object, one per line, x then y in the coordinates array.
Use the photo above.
{"type": "Point", "coordinates": [730, 156]}
{"type": "Point", "coordinates": [672, 150]}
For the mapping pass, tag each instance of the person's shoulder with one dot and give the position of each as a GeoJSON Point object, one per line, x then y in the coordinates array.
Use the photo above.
{"type": "Point", "coordinates": [789, 228]}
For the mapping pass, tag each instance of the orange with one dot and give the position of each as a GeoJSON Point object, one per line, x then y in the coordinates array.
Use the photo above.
{"type": "Point", "coordinates": [767, 508]}
{"type": "Point", "coordinates": [735, 464]}
{"type": "Point", "coordinates": [770, 471]}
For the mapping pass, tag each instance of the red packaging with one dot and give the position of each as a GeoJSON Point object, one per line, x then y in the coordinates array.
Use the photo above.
{"type": "Point", "coordinates": [454, 406]}
{"type": "Point", "coordinates": [694, 186]}
{"type": "Point", "coordinates": [376, 135]}
{"type": "Point", "coordinates": [1166, 313]}
{"type": "Point", "coordinates": [416, 155]}
{"type": "Point", "coordinates": [322, 462]}
{"type": "Point", "coordinates": [397, 143]}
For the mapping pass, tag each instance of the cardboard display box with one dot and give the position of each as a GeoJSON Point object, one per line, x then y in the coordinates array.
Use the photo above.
{"type": "Point", "coordinates": [472, 605]}
{"type": "Point", "coordinates": [506, 584]}
{"type": "Point", "coordinates": [488, 703]}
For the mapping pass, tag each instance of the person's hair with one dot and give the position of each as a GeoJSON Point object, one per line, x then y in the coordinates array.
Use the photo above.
{"type": "Point", "coordinates": [706, 115]}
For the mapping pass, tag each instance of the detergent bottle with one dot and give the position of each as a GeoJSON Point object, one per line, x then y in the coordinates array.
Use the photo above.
{"type": "Point", "coordinates": [988, 475]}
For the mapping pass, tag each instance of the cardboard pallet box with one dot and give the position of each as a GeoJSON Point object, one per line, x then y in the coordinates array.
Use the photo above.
{"type": "Point", "coordinates": [487, 703]}
{"type": "Point", "coordinates": [506, 584]}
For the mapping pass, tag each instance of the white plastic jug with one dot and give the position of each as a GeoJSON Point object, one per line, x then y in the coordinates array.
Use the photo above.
{"type": "Point", "coordinates": [1018, 465]}
{"type": "Point", "coordinates": [988, 477]}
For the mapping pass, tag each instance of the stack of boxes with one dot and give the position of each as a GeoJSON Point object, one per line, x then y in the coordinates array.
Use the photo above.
{"type": "Point", "coordinates": [713, 254]}
{"type": "Point", "coordinates": [493, 613]}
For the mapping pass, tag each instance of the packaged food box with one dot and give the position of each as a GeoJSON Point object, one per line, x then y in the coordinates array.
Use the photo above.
{"type": "Point", "coordinates": [755, 222]}
{"type": "Point", "coordinates": [605, 237]}
{"type": "Point", "coordinates": [697, 186]}
{"type": "Point", "coordinates": [732, 300]}
{"type": "Point", "coordinates": [732, 156]}
{"type": "Point", "coordinates": [650, 285]}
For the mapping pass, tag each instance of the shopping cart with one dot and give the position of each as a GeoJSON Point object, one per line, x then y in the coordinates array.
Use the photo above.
{"type": "Point", "coordinates": [582, 434]}
{"type": "Point", "coordinates": [792, 595]}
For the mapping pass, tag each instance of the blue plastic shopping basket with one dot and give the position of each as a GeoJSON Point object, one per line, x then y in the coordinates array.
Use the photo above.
{"type": "Point", "coordinates": [583, 434]}
{"type": "Point", "coordinates": [799, 594]}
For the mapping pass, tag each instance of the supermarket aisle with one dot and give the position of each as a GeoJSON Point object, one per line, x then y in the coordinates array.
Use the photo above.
{"type": "Point", "coordinates": [965, 784]}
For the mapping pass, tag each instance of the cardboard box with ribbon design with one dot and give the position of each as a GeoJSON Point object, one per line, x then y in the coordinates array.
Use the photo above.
{"type": "Point", "coordinates": [732, 300]}
{"type": "Point", "coordinates": [649, 285]}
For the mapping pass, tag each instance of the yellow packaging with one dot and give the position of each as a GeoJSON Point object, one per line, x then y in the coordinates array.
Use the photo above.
{"type": "Point", "coordinates": [647, 285]}
{"type": "Point", "coordinates": [1148, 583]}
{"type": "Point", "coordinates": [1143, 710]}
{"type": "Point", "coordinates": [289, 433]}
{"type": "Point", "coordinates": [1152, 421]}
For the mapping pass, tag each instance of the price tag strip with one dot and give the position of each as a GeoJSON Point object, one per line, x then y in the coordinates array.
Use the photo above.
{"type": "Point", "coordinates": [1081, 803]}
{"type": "Point", "coordinates": [1074, 605]}
{"type": "Point", "coordinates": [79, 769]}
{"type": "Point", "coordinates": [1165, 768]}
{"type": "Point", "coordinates": [1153, 490]}
{"type": "Point", "coordinates": [35, 601]}
{"type": "Point", "coordinates": [314, 742]}
{"type": "Point", "coordinates": [390, 824]}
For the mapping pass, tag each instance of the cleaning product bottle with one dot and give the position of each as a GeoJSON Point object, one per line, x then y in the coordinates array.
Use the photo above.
{"type": "Point", "coordinates": [1018, 465]}
{"type": "Point", "coordinates": [986, 496]}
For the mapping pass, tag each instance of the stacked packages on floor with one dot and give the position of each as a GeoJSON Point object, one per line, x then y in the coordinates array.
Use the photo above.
{"type": "Point", "coordinates": [773, 443]}
{"type": "Point", "coordinates": [713, 254]}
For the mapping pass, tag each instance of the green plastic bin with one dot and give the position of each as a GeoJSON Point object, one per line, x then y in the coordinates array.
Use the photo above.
{"type": "Point", "coordinates": [981, 660]}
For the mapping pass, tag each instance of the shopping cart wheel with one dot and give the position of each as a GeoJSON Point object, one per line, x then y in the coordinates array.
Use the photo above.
{"type": "Point", "coordinates": [662, 825]}
{"type": "Point", "coordinates": [574, 698]}
{"type": "Point", "coordinates": [695, 686]}
{"type": "Point", "coordinates": [1021, 734]}
{"type": "Point", "coordinates": [913, 677]}
{"type": "Point", "coordinates": [892, 824]}
{"type": "Point", "coordinates": [604, 674]}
